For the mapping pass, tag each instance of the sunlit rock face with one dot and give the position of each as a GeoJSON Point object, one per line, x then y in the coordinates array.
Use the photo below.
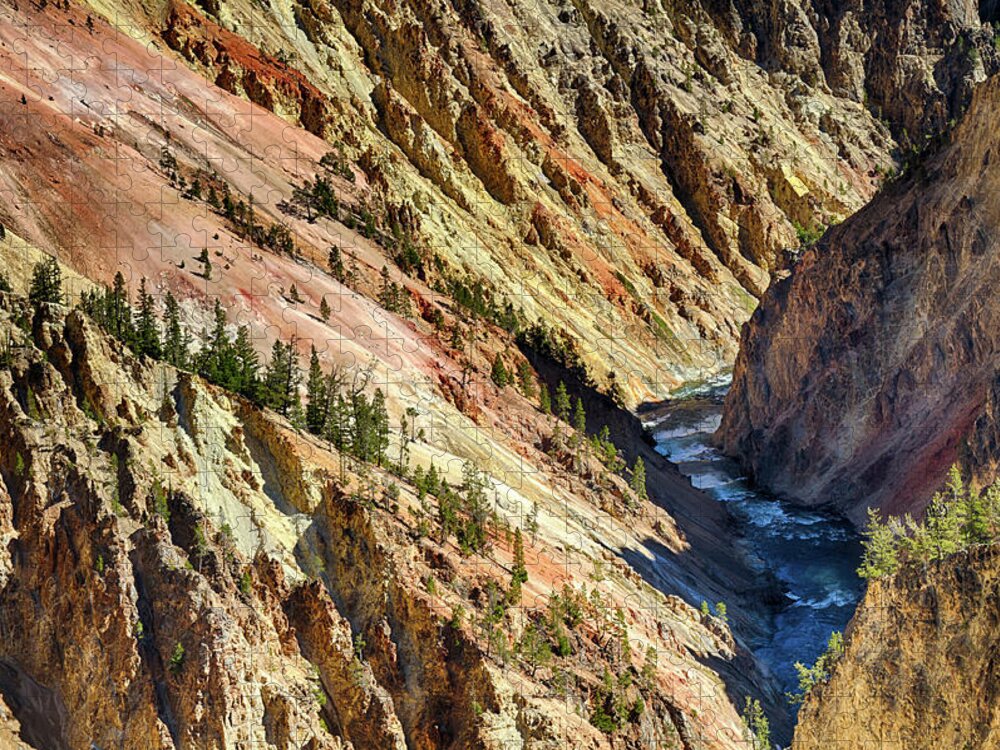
{"type": "Point", "coordinates": [872, 367]}
{"type": "Point", "coordinates": [629, 173]}
{"type": "Point", "coordinates": [918, 663]}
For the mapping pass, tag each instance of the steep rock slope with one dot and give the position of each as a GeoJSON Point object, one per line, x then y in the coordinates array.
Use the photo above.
{"type": "Point", "coordinates": [628, 175]}
{"type": "Point", "coordinates": [872, 368]}
{"type": "Point", "coordinates": [182, 569]}
{"type": "Point", "coordinates": [919, 668]}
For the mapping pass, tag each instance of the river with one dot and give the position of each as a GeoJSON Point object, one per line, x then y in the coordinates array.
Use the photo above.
{"type": "Point", "coordinates": [815, 554]}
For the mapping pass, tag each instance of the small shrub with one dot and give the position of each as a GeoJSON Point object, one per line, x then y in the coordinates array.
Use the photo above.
{"type": "Point", "coordinates": [177, 658]}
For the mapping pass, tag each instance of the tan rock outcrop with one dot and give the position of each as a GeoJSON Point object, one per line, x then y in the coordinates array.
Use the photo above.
{"type": "Point", "coordinates": [669, 143]}
{"type": "Point", "coordinates": [919, 668]}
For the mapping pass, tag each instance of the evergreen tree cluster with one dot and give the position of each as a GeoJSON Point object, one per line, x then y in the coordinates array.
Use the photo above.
{"type": "Point", "coordinates": [46, 283]}
{"type": "Point", "coordinates": [558, 346]}
{"type": "Point", "coordinates": [239, 211]}
{"type": "Point", "coordinates": [112, 309]}
{"type": "Point", "coordinates": [341, 412]}
{"type": "Point", "coordinates": [820, 671]}
{"type": "Point", "coordinates": [607, 452]}
{"type": "Point", "coordinates": [336, 163]}
{"type": "Point", "coordinates": [228, 361]}
{"type": "Point", "coordinates": [463, 512]}
{"type": "Point", "coordinates": [478, 300]}
{"type": "Point", "coordinates": [243, 218]}
{"type": "Point", "coordinates": [337, 410]}
{"type": "Point", "coordinates": [318, 199]}
{"type": "Point", "coordinates": [956, 519]}
{"type": "Point", "coordinates": [498, 373]}
{"type": "Point", "coordinates": [392, 296]}
{"type": "Point", "coordinates": [572, 411]}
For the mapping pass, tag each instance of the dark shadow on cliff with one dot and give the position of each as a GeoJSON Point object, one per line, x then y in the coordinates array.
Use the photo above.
{"type": "Point", "coordinates": [743, 675]}
{"type": "Point", "coordinates": [711, 567]}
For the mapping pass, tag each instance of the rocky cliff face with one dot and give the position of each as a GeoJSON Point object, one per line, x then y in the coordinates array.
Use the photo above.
{"type": "Point", "coordinates": [919, 666]}
{"type": "Point", "coordinates": [630, 173]}
{"type": "Point", "coordinates": [182, 569]}
{"type": "Point", "coordinates": [872, 367]}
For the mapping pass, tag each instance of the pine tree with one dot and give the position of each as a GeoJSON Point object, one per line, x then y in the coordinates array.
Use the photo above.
{"type": "Point", "coordinates": [579, 417]}
{"type": "Point", "coordinates": [756, 728]}
{"type": "Point", "coordinates": [147, 333]}
{"type": "Point", "coordinates": [526, 379]}
{"type": "Point", "coordinates": [638, 481]}
{"type": "Point", "coordinates": [544, 400]}
{"type": "Point", "coordinates": [944, 522]}
{"type": "Point", "coordinates": [318, 406]}
{"type": "Point", "coordinates": [297, 415]}
{"type": "Point", "coordinates": [392, 296]}
{"type": "Point", "coordinates": [519, 575]}
{"type": "Point", "coordinates": [228, 208]}
{"type": "Point", "coordinates": [119, 311]}
{"type": "Point", "coordinates": [293, 295]}
{"type": "Point", "coordinates": [380, 427]}
{"type": "Point", "coordinates": [433, 480]}
{"type": "Point", "coordinates": [175, 349]}
{"type": "Point", "coordinates": [247, 364]}
{"type": "Point", "coordinates": [338, 418]}
{"type": "Point", "coordinates": [335, 427]}
{"type": "Point", "coordinates": [251, 219]}
{"type": "Point", "coordinates": [386, 294]}
{"type": "Point", "coordinates": [534, 648]}
{"type": "Point", "coordinates": [532, 523]}
{"type": "Point", "coordinates": [976, 525]}
{"type": "Point", "coordinates": [881, 556]}
{"type": "Point", "coordinates": [472, 537]}
{"type": "Point", "coordinates": [324, 309]}
{"type": "Point", "coordinates": [281, 378]}
{"type": "Point", "coordinates": [217, 359]}
{"type": "Point", "coordinates": [302, 195]}
{"type": "Point", "coordinates": [46, 283]}
{"type": "Point", "coordinates": [562, 404]}
{"type": "Point", "coordinates": [991, 502]}
{"type": "Point", "coordinates": [499, 372]}
{"type": "Point", "coordinates": [206, 264]}
{"type": "Point", "coordinates": [914, 540]}
{"type": "Point", "coordinates": [336, 264]}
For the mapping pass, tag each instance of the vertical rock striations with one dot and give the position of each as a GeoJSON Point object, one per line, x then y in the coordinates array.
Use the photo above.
{"type": "Point", "coordinates": [919, 669]}
{"type": "Point", "coordinates": [872, 367]}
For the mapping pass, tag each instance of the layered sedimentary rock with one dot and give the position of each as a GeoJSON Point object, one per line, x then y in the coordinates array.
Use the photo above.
{"type": "Point", "coordinates": [872, 367]}
{"type": "Point", "coordinates": [179, 568]}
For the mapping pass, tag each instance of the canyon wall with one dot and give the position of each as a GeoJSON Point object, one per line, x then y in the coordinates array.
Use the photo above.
{"type": "Point", "coordinates": [919, 668]}
{"type": "Point", "coordinates": [628, 174]}
{"type": "Point", "coordinates": [181, 569]}
{"type": "Point", "coordinates": [872, 367]}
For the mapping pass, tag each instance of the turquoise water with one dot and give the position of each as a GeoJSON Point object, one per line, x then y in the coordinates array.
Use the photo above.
{"type": "Point", "coordinates": [813, 553]}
